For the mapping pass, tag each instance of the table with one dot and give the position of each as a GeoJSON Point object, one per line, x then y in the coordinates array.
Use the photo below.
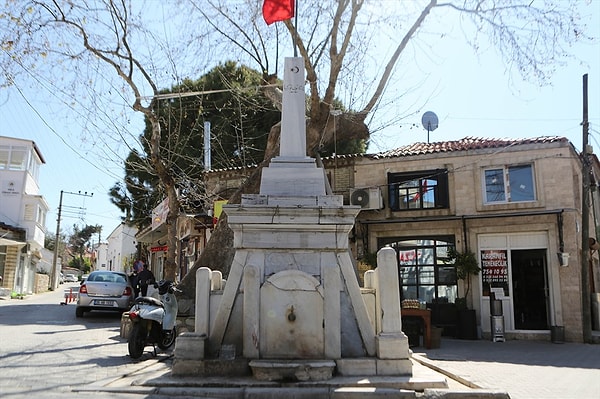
{"type": "Point", "coordinates": [424, 314]}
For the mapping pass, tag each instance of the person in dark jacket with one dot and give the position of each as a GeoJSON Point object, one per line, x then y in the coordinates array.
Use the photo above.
{"type": "Point", "coordinates": [145, 277]}
{"type": "Point", "coordinates": [137, 268]}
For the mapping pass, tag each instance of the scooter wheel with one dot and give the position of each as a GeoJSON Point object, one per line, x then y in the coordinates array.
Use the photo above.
{"type": "Point", "coordinates": [167, 339]}
{"type": "Point", "coordinates": [135, 344]}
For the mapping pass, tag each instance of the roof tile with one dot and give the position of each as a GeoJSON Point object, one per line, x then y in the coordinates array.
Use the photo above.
{"type": "Point", "coordinates": [464, 144]}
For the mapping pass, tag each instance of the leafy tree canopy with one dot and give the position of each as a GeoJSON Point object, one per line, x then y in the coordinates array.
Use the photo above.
{"type": "Point", "coordinates": [79, 243]}
{"type": "Point", "coordinates": [240, 118]}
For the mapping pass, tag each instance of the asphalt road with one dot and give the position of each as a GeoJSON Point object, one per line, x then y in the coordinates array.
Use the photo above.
{"type": "Point", "coordinates": [46, 352]}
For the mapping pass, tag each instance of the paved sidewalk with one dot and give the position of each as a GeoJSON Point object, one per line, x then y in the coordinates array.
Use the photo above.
{"type": "Point", "coordinates": [525, 369]}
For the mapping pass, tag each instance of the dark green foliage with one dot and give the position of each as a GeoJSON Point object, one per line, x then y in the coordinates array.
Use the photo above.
{"type": "Point", "coordinates": [240, 117]}
{"type": "Point", "coordinates": [466, 266]}
{"type": "Point", "coordinates": [465, 263]}
{"type": "Point", "coordinates": [79, 242]}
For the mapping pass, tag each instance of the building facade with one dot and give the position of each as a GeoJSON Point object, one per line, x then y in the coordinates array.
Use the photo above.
{"type": "Point", "coordinates": [121, 250]}
{"type": "Point", "coordinates": [515, 204]}
{"type": "Point", "coordinates": [22, 214]}
{"type": "Point", "coordinates": [193, 231]}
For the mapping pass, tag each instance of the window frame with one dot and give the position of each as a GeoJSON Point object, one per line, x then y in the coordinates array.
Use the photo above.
{"type": "Point", "coordinates": [398, 189]}
{"type": "Point", "coordinates": [444, 274]}
{"type": "Point", "coordinates": [507, 184]}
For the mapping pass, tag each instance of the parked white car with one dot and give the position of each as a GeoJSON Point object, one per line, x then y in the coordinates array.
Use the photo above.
{"type": "Point", "coordinates": [70, 278]}
{"type": "Point", "coordinates": [104, 290]}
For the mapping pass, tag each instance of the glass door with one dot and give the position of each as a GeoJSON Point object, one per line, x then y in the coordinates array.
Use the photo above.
{"type": "Point", "coordinates": [530, 289]}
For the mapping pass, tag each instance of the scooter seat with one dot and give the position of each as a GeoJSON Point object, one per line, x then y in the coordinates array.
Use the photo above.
{"type": "Point", "coordinates": [148, 300]}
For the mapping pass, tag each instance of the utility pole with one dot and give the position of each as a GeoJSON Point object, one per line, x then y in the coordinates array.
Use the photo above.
{"type": "Point", "coordinates": [54, 274]}
{"type": "Point", "coordinates": [586, 312]}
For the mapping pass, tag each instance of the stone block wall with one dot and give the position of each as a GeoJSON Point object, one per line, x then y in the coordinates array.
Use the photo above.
{"type": "Point", "coordinates": [42, 282]}
{"type": "Point", "coordinates": [10, 267]}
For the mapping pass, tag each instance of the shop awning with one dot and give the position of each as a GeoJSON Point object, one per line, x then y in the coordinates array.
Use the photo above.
{"type": "Point", "coordinates": [6, 241]}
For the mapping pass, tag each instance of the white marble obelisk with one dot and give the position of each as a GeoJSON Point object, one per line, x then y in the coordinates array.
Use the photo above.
{"type": "Point", "coordinates": [293, 119]}
{"type": "Point", "coordinates": [293, 173]}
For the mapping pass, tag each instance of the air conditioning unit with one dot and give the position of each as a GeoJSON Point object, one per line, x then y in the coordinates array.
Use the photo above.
{"type": "Point", "coordinates": [367, 198]}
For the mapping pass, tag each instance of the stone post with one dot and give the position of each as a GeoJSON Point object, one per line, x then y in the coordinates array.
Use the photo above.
{"type": "Point", "coordinates": [391, 341]}
{"type": "Point", "coordinates": [203, 283]}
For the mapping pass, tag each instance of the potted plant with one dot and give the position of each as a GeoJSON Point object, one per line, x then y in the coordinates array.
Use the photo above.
{"type": "Point", "coordinates": [466, 266]}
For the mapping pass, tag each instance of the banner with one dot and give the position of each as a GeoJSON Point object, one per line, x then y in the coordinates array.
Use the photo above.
{"type": "Point", "coordinates": [494, 270]}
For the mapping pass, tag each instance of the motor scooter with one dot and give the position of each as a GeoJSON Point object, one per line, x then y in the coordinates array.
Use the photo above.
{"type": "Point", "coordinates": [153, 320]}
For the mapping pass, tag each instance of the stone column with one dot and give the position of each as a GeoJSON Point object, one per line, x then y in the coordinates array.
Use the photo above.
{"type": "Point", "coordinates": [332, 312]}
{"type": "Point", "coordinates": [251, 317]}
{"type": "Point", "coordinates": [201, 322]}
{"type": "Point", "coordinates": [391, 341]}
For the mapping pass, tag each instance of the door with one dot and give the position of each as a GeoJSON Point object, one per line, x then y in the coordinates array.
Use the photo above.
{"type": "Point", "coordinates": [530, 289]}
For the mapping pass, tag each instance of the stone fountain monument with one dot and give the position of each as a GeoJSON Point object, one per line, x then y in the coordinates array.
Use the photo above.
{"type": "Point", "coordinates": [291, 307]}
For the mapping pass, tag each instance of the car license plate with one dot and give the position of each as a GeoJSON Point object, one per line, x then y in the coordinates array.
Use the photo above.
{"type": "Point", "coordinates": [104, 303]}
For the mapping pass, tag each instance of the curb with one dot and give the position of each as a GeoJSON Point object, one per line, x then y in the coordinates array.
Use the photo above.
{"type": "Point", "coordinates": [428, 363]}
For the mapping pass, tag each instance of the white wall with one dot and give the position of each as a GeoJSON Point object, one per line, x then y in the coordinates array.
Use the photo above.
{"type": "Point", "coordinates": [121, 248]}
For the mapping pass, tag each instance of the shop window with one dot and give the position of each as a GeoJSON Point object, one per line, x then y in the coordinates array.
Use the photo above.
{"type": "Point", "coordinates": [423, 271]}
{"type": "Point", "coordinates": [418, 190]}
{"type": "Point", "coordinates": [509, 184]}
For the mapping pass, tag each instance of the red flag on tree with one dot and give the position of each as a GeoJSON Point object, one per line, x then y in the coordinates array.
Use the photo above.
{"type": "Point", "coordinates": [277, 10]}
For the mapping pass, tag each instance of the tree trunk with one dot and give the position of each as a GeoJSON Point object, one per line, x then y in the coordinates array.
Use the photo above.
{"type": "Point", "coordinates": [219, 252]}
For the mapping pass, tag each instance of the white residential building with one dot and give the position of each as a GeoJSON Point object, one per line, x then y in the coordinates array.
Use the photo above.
{"type": "Point", "coordinates": [22, 214]}
{"type": "Point", "coordinates": [101, 258]}
{"type": "Point", "coordinates": [121, 248]}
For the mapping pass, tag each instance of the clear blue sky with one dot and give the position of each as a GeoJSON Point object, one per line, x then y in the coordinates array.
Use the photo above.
{"type": "Point", "coordinates": [471, 95]}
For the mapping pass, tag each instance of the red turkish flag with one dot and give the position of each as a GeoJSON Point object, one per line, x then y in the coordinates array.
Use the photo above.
{"type": "Point", "coordinates": [277, 10]}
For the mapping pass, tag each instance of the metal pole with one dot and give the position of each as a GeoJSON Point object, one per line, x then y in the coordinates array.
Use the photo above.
{"type": "Point", "coordinates": [207, 160]}
{"type": "Point", "coordinates": [54, 279]}
{"type": "Point", "coordinates": [54, 274]}
{"type": "Point", "coordinates": [586, 312]}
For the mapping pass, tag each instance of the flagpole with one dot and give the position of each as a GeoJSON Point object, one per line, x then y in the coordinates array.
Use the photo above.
{"type": "Point", "coordinates": [295, 27]}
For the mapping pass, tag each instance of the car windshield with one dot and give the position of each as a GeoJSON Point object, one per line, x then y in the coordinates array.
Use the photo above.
{"type": "Point", "coordinates": [107, 277]}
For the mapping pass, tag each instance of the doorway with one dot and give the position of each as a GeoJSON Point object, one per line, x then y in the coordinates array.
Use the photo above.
{"type": "Point", "coordinates": [530, 289]}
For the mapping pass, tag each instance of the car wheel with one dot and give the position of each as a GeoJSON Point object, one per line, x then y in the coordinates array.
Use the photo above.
{"type": "Point", "coordinates": [167, 339]}
{"type": "Point", "coordinates": [135, 344]}
{"type": "Point", "coordinates": [79, 312]}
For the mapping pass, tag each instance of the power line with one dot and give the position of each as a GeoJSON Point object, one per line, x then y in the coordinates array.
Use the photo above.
{"type": "Point", "coordinates": [54, 279]}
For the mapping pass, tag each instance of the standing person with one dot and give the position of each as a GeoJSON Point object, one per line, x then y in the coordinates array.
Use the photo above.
{"type": "Point", "coordinates": [133, 282]}
{"type": "Point", "coordinates": [145, 277]}
{"type": "Point", "coordinates": [138, 266]}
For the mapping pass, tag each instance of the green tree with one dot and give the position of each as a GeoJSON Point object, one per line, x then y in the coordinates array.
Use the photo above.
{"type": "Point", "coordinates": [240, 119]}
{"type": "Point", "coordinates": [335, 40]}
{"type": "Point", "coordinates": [79, 244]}
{"type": "Point", "coordinates": [95, 40]}
{"type": "Point", "coordinates": [82, 264]}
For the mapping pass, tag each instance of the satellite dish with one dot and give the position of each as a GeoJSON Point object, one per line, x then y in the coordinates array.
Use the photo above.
{"type": "Point", "coordinates": [430, 122]}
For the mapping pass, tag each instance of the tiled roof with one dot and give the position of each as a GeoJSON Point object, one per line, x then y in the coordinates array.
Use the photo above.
{"type": "Point", "coordinates": [464, 144]}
